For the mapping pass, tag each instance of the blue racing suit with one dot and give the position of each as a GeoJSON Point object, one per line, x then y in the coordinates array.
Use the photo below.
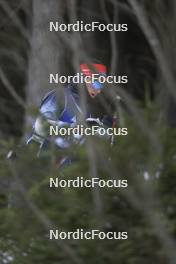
{"type": "Point", "coordinates": [52, 114]}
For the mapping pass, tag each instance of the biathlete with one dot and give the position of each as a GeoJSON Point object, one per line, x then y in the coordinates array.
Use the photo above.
{"type": "Point", "coordinates": [99, 108]}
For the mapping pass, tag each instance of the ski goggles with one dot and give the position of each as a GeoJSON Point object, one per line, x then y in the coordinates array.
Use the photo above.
{"type": "Point", "coordinates": [100, 68]}
{"type": "Point", "coordinates": [98, 85]}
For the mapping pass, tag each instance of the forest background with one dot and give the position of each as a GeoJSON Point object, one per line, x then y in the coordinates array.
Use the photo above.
{"type": "Point", "coordinates": [146, 157]}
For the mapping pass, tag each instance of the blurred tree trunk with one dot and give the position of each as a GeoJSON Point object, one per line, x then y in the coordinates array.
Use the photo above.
{"type": "Point", "coordinates": [46, 54]}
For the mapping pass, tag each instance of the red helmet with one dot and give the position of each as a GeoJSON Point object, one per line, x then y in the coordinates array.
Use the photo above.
{"type": "Point", "coordinates": [89, 69]}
